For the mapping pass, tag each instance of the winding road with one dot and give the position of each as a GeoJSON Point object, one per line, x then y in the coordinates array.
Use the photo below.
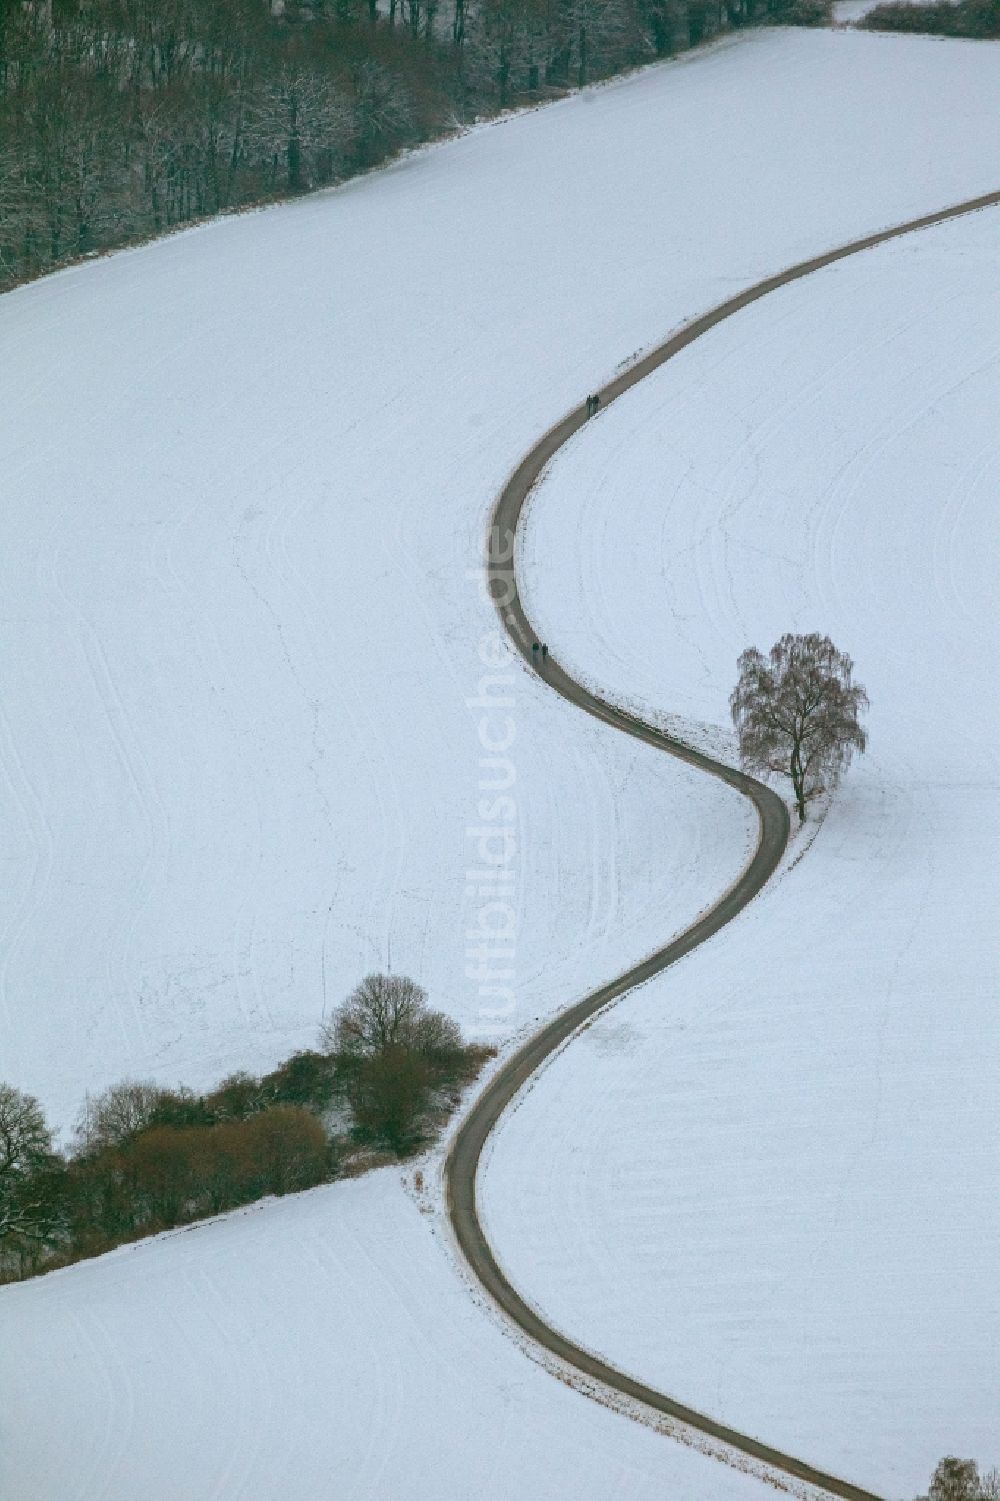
{"type": "Point", "coordinates": [466, 1151]}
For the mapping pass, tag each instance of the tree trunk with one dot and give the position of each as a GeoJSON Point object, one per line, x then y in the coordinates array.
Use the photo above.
{"type": "Point", "coordinates": [294, 152]}
{"type": "Point", "coordinates": [798, 783]}
{"type": "Point", "coordinates": [503, 75]}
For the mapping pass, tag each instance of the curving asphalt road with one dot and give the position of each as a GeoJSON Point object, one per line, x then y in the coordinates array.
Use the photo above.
{"type": "Point", "coordinates": [466, 1151]}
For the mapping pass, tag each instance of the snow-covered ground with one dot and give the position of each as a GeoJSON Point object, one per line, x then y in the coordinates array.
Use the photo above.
{"type": "Point", "coordinates": [311, 1348]}
{"type": "Point", "coordinates": [245, 477]}
{"type": "Point", "coordinates": [768, 1182]}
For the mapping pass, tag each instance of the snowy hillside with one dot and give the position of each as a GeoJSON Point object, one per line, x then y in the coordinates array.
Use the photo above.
{"type": "Point", "coordinates": [316, 1347]}
{"type": "Point", "coordinates": [246, 473]}
{"type": "Point", "coordinates": [787, 1148]}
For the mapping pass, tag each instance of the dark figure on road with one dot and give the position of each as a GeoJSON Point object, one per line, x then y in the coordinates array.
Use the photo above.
{"type": "Point", "coordinates": [545, 652]}
{"type": "Point", "coordinates": [534, 651]}
{"type": "Point", "coordinates": [593, 405]}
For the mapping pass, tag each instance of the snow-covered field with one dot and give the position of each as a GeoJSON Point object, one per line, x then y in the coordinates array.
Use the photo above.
{"type": "Point", "coordinates": [769, 1181]}
{"type": "Point", "coordinates": [246, 473]}
{"type": "Point", "coordinates": [245, 476]}
{"type": "Point", "coordinates": [311, 1348]}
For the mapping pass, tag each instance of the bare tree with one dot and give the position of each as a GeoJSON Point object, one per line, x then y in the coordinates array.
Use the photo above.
{"type": "Point", "coordinates": [26, 1157]}
{"type": "Point", "coordinates": [382, 1012]}
{"type": "Point", "coordinates": [25, 1139]}
{"type": "Point", "coordinates": [436, 1037]}
{"type": "Point", "coordinates": [506, 39]}
{"type": "Point", "coordinates": [114, 1117]}
{"type": "Point", "coordinates": [796, 713]}
{"type": "Point", "coordinates": [238, 1096]}
{"type": "Point", "coordinates": [394, 1057]}
{"type": "Point", "coordinates": [955, 1480]}
{"type": "Point", "coordinates": [598, 35]}
{"type": "Point", "coordinates": [18, 215]}
{"type": "Point", "coordinates": [383, 113]}
{"type": "Point", "coordinates": [302, 119]}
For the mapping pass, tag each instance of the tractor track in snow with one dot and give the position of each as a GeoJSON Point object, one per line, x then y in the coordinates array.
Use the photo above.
{"type": "Point", "coordinates": [466, 1150]}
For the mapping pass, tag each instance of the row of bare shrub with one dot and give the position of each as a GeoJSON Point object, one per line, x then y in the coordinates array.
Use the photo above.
{"type": "Point", "coordinates": [146, 1158]}
{"type": "Point", "coordinates": [170, 1175]}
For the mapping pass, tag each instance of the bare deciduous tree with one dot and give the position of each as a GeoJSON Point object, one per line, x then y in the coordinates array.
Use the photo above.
{"type": "Point", "coordinates": [507, 39]}
{"type": "Point", "coordinates": [392, 1054]}
{"type": "Point", "coordinates": [25, 1154]}
{"type": "Point", "coordinates": [25, 1139]}
{"type": "Point", "coordinates": [959, 1480]}
{"type": "Point", "coordinates": [303, 120]}
{"type": "Point", "coordinates": [112, 1118]}
{"type": "Point", "coordinates": [382, 1012]}
{"type": "Point", "coordinates": [797, 713]}
{"type": "Point", "coordinates": [383, 113]}
{"type": "Point", "coordinates": [605, 33]}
